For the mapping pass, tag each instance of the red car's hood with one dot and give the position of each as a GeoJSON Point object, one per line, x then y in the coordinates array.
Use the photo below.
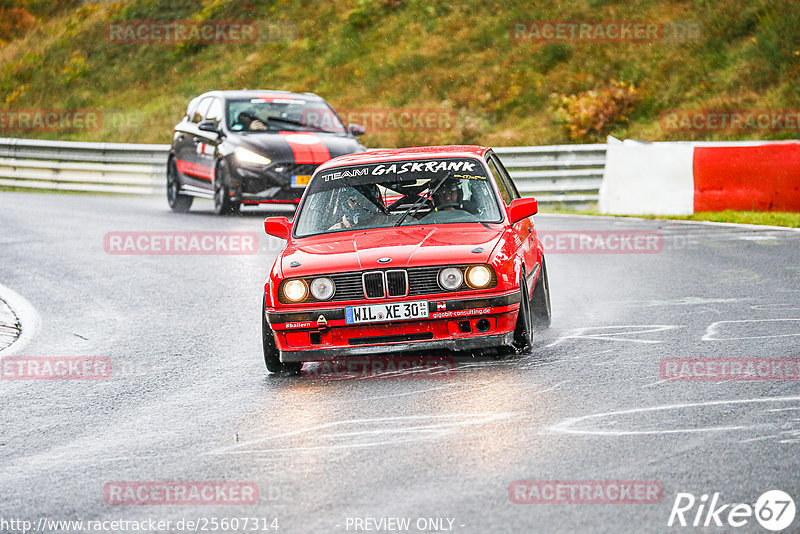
{"type": "Point", "coordinates": [409, 246]}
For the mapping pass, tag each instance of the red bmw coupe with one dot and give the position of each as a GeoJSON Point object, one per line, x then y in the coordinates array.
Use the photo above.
{"type": "Point", "coordinates": [404, 250]}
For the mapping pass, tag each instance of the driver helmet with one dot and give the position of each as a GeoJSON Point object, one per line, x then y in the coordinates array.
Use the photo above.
{"type": "Point", "coordinates": [449, 193]}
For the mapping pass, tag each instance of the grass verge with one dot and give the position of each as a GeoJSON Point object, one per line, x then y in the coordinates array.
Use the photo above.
{"type": "Point", "coordinates": [765, 218]}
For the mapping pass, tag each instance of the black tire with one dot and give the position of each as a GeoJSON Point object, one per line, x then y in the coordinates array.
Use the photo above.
{"type": "Point", "coordinates": [222, 198]}
{"type": "Point", "coordinates": [177, 202]}
{"type": "Point", "coordinates": [271, 355]}
{"type": "Point", "coordinates": [540, 300]}
{"type": "Point", "coordinates": [523, 333]}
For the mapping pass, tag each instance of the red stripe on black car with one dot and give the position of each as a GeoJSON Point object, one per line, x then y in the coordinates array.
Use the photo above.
{"type": "Point", "coordinates": [193, 169]}
{"type": "Point", "coordinates": [307, 148]}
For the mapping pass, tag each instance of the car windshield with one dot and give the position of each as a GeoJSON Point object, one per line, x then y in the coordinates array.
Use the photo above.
{"type": "Point", "coordinates": [398, 193]}
{"type": "Point", "coordinates": [274, 114]}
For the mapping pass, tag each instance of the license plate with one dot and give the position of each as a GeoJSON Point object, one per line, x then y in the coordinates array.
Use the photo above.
{"type": "Point", "coordinates": [379, 313]}
{"type": "Point", "coordinates": [300, 180]}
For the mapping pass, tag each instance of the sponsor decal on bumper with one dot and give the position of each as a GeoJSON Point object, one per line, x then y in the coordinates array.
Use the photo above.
{"type": "Point", "coordinates": [438, 309]}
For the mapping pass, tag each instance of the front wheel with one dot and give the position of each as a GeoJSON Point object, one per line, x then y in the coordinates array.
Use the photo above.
{"type": "Point", "coordinates": [223, 205]}
{"type": "Point", "coordinates": [540, 301]}
{"type": "Point", "coordinates": [523, 333]}
{"type": "Point", "coordinates": [271, 355]}
{"type": "Point", "coordinates": [177, 202]}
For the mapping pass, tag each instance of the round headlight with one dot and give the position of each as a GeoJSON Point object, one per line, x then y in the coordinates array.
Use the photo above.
{"type": "Point", "coordinates": [479, 276]}
{"type": "Point", "coordinates": [450, 278]}
{"type": "Point", "coordinates": [295, 290]}
{"type": "Point", "coordinates": [322, 288]}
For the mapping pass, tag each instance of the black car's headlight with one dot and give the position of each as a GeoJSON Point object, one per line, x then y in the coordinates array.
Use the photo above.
{"type": "Point", "coordinates": [246, 156]}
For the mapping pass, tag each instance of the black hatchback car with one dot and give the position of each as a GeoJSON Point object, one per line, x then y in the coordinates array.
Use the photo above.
{"type": "Point", "coordinates": [253, 147]}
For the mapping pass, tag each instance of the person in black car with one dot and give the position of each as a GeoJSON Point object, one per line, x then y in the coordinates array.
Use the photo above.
{"type": "Point", "coordinates": [250, 122]}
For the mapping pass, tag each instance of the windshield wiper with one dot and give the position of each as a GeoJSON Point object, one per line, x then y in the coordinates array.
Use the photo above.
{"type": "Point", "coordinates": [298, 123]}
{"type": "Point", "coordinates": [418, 204]}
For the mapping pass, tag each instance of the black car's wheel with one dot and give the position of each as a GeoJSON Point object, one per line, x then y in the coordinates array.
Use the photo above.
{"type": "Point", "coordinates": [177, 202]}
{"type": "Point", "coordinates": [271, 355]}
{"type": "Point", "coordinates": [523, 333]}
{"type": "Point", "coordinates": [540, 300]}
{"type": "Point", "coordinates": [222, 198]}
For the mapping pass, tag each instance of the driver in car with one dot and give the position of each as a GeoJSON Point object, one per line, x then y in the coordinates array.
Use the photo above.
{"type": "Point", "coordinates": [358, 208]}
{"type": "Point", "coordinates": [448, 196]}
{"type": "Point", "coordinates": [249, 121]}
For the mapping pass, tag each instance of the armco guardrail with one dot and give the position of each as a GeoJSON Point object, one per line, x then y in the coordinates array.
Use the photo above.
{"type": "Point", "coordinates": [72, 166]}
{"type": "Point", "coordinates": [568, 174]}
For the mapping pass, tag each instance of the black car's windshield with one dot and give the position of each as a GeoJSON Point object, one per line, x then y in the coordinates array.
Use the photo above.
{"type": "Point", "coordinates": [273, 114]}
{"type": "Point", "coordinates": [400, 193]}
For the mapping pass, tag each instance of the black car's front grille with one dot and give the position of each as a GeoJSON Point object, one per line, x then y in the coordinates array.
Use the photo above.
{"type": "Point", "coordinates": [291, 169]}
{"type": "Point", "coordinates": [278, 174]}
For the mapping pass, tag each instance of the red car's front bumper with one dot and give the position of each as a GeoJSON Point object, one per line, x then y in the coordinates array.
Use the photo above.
{"type": "Point", "coordinates": [454, 325]}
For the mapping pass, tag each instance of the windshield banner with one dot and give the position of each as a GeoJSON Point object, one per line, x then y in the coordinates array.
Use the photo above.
{"type": "Point", "coordinates": [464, 168]}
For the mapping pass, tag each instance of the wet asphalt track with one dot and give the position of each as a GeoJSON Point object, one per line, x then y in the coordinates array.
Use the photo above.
{"type": "Point", "coordinates": [189, 398]}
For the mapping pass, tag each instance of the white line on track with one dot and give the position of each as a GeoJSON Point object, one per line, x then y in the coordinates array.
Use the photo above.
{"type": "Point", "coordinates": [713, 329]}
{"type": "Point", "coordinates": [626, 330]}
{"type": "Point", "coordinates": [26, 314]}
{"type": "Point", "coordinates": [565, 426]}
{"type": "Point", "coordinates": [457, 420]}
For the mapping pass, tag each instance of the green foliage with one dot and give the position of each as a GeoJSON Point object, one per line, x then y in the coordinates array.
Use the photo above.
{"type": "Point", "coordinates": [589, 116]}
{"type": "Point", "coordinates": [551, 55]}
{"type": "Point", "coordinates": [453, 57]}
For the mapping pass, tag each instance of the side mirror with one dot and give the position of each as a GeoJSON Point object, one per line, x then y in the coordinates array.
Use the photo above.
{"type": "Point", "coordinates": [356, 129]}
{"type": "Point", "coordinates": [522, 208]}
{"type": "Point", "coordinates": [279, 227]}
{"type": "Point", "coordinates": [208, 126]}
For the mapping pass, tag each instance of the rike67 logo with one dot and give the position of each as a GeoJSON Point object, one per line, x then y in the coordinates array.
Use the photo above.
{"type": "Point", "coordinates": [774, 510]}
